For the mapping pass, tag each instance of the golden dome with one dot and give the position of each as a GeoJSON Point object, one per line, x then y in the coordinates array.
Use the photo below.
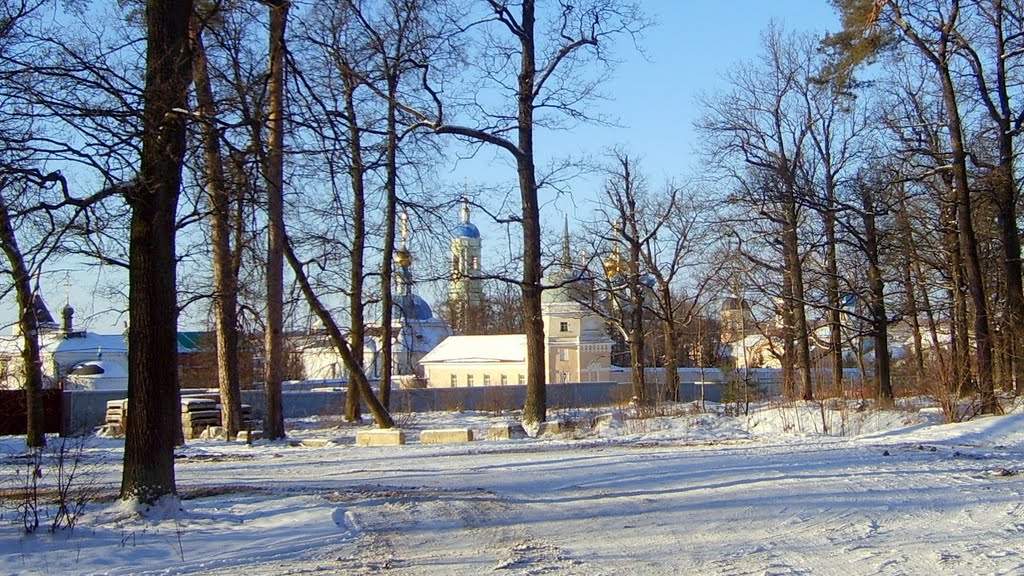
{"type": "Point", "coordinates": [403, 258]}
{"type": "Point", "coordinates": [614, 265]}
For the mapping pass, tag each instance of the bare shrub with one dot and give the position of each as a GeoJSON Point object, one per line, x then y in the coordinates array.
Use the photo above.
{"type": "Point", "coordinates": [52, 483]}
{"type": "Point", "coordinates": [73, 483]}
{"type": "Point", "coordinates": [28, 481]}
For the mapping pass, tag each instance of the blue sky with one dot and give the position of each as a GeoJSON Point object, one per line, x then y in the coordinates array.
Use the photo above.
{"type": "Point", "coordinates": [654, 100]}
{"type": "Point", "coordinates": [693, 43]}
{"type": "Point", "coordinates": [654, 95]}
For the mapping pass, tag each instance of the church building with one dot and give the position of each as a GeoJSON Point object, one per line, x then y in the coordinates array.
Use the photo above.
{"type": "Point", "coordinates": [74, 359]}
{"type": "Point", "coordinates": [465, 291]}
{"type": "Point", "coordinates": [577, 348]}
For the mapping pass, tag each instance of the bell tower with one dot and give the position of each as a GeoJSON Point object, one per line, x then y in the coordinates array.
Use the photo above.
{"type": "Point", "coordinates": [465, 291]}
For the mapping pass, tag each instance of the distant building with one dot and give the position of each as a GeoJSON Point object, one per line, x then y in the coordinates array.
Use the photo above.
{"type": "Point", "coordinates": [467, 361]}
{"type": "Point", "coordinates": [577, 348]}
{"type": "Point", "coordinates": [73, 358]}
{"type": "Point", "coordinates": [415, 329]}
{"type": "Point", "coordinates": [737, 319]}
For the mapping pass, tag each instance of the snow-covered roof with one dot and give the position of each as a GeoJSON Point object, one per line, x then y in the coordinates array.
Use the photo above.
{"type": "Point", "coordinates": [87, 342]}
{"type": "Point", "coordinates": [479, 349]}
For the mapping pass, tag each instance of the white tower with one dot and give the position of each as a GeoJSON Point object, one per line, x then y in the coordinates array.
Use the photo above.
{"type": "Point", "coordinates": [466, 289]}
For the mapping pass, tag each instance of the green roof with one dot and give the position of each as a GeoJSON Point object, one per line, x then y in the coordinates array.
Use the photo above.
{"type": "Point", "coordinates": [195, 341]}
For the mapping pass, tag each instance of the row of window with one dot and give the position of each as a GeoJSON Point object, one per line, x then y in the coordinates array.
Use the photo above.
{"type": "Point", "coordinates": [471, 380]}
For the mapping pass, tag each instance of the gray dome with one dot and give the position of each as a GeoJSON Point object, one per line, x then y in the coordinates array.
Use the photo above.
{"type": "Point", "coordinates": [92, 368]}
{"type": "Point", "coordinates": [734, 303]}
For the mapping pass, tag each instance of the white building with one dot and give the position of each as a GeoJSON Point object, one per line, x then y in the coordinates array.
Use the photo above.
{"type": "Point", "coordinates": [74, 358]}
{"type": "Point", "coordinates": [577, 348]}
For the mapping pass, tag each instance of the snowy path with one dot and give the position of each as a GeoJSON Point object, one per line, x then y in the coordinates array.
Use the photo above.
{"type": "Point", "coordinates": [936, 504]}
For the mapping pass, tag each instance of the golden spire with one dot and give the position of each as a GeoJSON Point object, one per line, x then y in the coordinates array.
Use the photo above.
{"type": "Point", "coordinates": [403, 258]}
{"type": "Point", "coordinates": [613, 265]}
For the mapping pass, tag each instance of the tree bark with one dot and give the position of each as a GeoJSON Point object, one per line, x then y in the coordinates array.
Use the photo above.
{"type": "Point", "coordinates": [535, 408]}
{"type": "Point", "coordinates": [273, 424]}
{"type": "Point", "coordinates": [799, 314]}
{"type": "Point", "coordinates": [671, 363]}
{"type": "Point", "coordinates": [154, 413]}
{"type": "Point", "coordinates": [832, 291]}
{"type": "Point", "coordinates": [28, 325]}
{"type": "Point", "coordinates": [387, 259]}
{"type": "Point", "coordinates": [357, 309]}
{"type": "Point", "coordinates": [879, 320]}
{"type": "Point", "coordinates": [909, 260]}
{"type": "Point", "coordinates": [225, 283]}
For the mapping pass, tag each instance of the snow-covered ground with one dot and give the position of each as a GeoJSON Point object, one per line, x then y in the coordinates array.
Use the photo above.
{"type": "Point", "coordinates": [783, 490]}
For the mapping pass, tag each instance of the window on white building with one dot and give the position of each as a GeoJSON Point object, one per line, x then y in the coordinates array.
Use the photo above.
{"type": "Point", "coordinates": [504, 380]}
{"type": "Point", "coordinates": [563, 355]}
{"type": "Point", "coordinates": [522, 379]}
{"type": "Point", "coordinates": [455, 381]}
{"type": "Point", "coordinates": [487, 379]}
{"type": "Point", "coordinates": [469, 379]}
{"type": "Point", "coordinates": [563, 326]}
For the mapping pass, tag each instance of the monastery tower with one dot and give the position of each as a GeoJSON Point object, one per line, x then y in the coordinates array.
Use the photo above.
{"type": "Point", "coordinates": [465, 292]}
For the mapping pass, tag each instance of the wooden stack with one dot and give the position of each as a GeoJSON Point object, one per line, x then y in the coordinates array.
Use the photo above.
{"type": "Point", "coordinates": [113, 422]}
{"type": "Point", "coordinates": [198, 413]}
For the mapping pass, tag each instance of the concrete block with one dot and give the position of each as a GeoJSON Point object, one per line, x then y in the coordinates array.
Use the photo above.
{"type": "Point", "coordinates": [213, 433]}
{"type": "Point", "coordinates": [607, 420]}
{"type": "Point", "coordinates": [244, 435]}
{"type": "Point", "coordinates": [446, 436]}
{"type": "Point", "coordinates": [389, 437]}
{"type": "Point", "coordinates": [552, 428]}
{"type": "Point", "coordinates": [506, 432]}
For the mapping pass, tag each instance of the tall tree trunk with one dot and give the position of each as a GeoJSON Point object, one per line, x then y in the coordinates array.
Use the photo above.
{"type": "Point", "coordinates": [960, 362]}
{"type": "Point", "coordinates": [969, 251]}
{"type": "Point", "coordinates": [1006, 202]}
{"type": "Point", "coordinates": [225, 283]}
{"type": "Point", "coordinates": [273, 424]}
{"type": "Point", "coordinates": [909, 259]}
{"type": "Point", "coordinates": [879, 320]}
{"type": "Point", "coordinates": [357, 309]}
{"type": "Point", "coordinates": [832, 295]}
{"type": "Point", "coordinates": [671, 363]}
{"type": "Point", "coordinates": [795, 270]}
{"type": "Point", "coordinates": [387, 260]}
{"type": "Point", "coordinates": [967, 238]}
{"type": "Point", "coordinates": [28, 325]}
{"type": "Point", "coordinates": [535, 408]}
{"type": "Point", "coordinates": [154, 413]}
{"type": "Point", "coordinates": [998, 102]}
{"type": "Point", "coordinates": [788, 333]}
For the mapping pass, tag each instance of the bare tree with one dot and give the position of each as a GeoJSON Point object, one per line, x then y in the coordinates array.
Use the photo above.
{"type": "Point", "coordinates": [758, 136]}
{"type": "Point", "coordinates": [219, 198]}
{"type": "Point", "coordinates": [273, 423]}
{"type": "Point", "coordinates": [622, 287]}
{"type": "Point", "coordinates": [928, 27]}
{"type": "Point", "coordinates": [683, 236]}
{"type": "Point", "coordinates": [154, 415]}
{"type": "Point", "coordinates": [539, 65]}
